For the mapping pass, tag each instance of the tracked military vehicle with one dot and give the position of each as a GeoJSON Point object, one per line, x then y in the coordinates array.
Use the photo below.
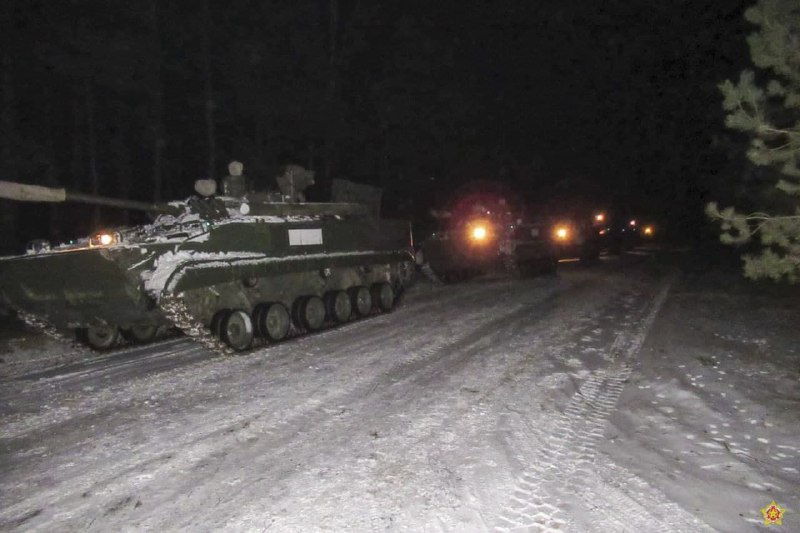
{"type": "Point", "coordinates": [226, 270]}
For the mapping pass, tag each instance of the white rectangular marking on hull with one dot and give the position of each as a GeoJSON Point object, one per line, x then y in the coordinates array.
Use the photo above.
{"type": "Point", "coordinates": [305, 237]}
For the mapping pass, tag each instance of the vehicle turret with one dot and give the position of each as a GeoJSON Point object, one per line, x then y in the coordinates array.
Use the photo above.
{"type": "Point", "coordinates": [205, 203]}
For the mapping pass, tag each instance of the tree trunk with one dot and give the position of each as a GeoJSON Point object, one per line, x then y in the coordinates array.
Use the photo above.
{"type": "Point", "coordinates": [384, 155]}
{"type": "Point", "coordinates": [310, 153]}
{"type": "Point", "coordinates": [51, 172]}
{"type": "Point", "coordinates": [329, 147]}
{"type": "Point", "coordinates": [9, 217]}
{"type": "Point", "coordinates": [91, 144]}
{"type": "Point", "coordinates": [157, 112]}
{"type": "Point", "coordinates": [77, 161]}
{"type": "Point", "coordinates": [259, 137]}
{"type": "Point", "coordinates": [122, 165]}
{"type": "Point", "coordinates": [209, 90]}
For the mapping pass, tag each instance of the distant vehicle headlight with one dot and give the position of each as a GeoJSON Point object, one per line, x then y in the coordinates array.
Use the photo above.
{"type": "Point", "coordinates": [104, 238]}
{"type": "Point", "coordinates": [479, 233]}
{"type": "Point", "coordinates": [561, 233]}
{"type": "Point", "coordinates": [600, 217]}
{"type": "Point", "coordinates": [648, 231]}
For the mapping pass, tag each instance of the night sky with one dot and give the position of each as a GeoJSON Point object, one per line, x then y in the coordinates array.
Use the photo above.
{"type": "Point", "coordinates": [615, 100]}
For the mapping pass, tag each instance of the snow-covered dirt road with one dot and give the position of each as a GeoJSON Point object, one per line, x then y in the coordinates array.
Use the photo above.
{"type": "Point", "coordinates": [494, 405]}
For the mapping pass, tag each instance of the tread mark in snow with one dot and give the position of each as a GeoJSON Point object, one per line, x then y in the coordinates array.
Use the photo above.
{"type": "Point", "coordinates": [46, 329]}
{"type": "Point", "coordinates": [557, 471]}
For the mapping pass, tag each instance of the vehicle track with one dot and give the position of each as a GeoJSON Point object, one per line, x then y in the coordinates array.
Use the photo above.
{"type": "Point", "coordinates": [560, 459]}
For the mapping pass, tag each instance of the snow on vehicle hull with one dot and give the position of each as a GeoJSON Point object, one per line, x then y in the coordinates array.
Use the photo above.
{"type": "Point", "coordinates": [223, 273]}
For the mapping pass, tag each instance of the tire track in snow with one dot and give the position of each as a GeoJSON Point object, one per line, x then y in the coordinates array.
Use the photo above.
{"type": "Point", "coordinates": [445, 420]}
{"type": "Point", "coordinates": [556, 471]}
{"type": "Point", "coordinates": [241, 426]}
{"type": "Point", "coordinates": [472, 329]}
{"type": "Point", "coordinates": [90, 361]}
{"type": "Point", "coordinates": [141, 361]}
{"type": "Point", "coordinates": [474, 334]}
{"type": "Point", "coordinates": [282, 426]}
{"type": "Point", "coordinates": [415, 315]}
{"type": "Point", "coordinates": [431, 358]}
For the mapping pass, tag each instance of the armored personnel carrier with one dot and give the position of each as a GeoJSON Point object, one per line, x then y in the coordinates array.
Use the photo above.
{"type": "Point", "coordinates": [226, 270]}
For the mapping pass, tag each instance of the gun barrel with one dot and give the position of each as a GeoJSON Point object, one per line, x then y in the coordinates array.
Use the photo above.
{"type": "Point", "coordinates": [112, 202]}
{"type": "Point", "coordinates": [30, 193]}
{"type": "Point", "coordinates": [36, 193]}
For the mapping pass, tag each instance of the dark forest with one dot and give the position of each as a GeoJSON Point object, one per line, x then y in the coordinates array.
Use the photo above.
{"type": "Point", "coordinates": [139, 99]}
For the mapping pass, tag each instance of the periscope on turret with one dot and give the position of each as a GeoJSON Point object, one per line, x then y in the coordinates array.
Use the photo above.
{"type": "Point", "coordinates": [229, 270]}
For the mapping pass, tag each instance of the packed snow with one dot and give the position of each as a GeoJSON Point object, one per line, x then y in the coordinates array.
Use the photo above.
{"type": "Point", "coordinates": [626, 396]}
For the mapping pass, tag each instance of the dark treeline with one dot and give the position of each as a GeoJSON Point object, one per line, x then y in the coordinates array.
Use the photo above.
{"type": "Point", "coordinates": [138, 99]}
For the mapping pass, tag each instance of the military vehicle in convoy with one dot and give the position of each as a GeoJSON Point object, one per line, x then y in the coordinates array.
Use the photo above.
{"type": "Point", "coordinates": [225, 269]}
{"type": "Point", "coordinates": [578, 235]}
{"type": "Point", "coordinates": [486, 235]}
{"type": "Point", "coordinates": [623, 230]}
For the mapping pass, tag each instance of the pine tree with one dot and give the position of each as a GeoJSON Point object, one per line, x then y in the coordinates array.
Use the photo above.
{"type": "Point", "coordinates": [766, 105]}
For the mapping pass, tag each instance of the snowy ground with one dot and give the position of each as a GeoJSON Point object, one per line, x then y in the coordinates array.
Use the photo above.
{"type": "Point", "coordinates": [624, 397]}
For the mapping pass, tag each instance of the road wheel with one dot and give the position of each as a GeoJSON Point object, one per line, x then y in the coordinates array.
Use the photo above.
{"type": "Point", "coordinates": [258, 319]}
{"type": "Point", "coordinates": [217, 321]}
{"type": "Point", "coordinates": [272, 321]}
{"type": "Point", "coordinates": [338, 306]}
{"type": "Point", "coordinates": [383, 296]}
{"type": "Point", "coordinates": [140, 334]}
{"type": "Point", "coordinates": [310, 312]}
{"type": "Point", "coordinates": [361, 300]}
{"type": "Point", "coordinates": [237, 330]}
{"type": "Point", "coordinates": [102, 336]}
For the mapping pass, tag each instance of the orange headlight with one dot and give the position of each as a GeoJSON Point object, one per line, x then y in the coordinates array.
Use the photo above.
{"type": "Point", "coordinates": [561, 233]}
{"type": "Point", "coordinates": [599, 217]}
{"type": "Point", "coordinates": [479, 233]}
{"type": "Point", "coordinates": [648, 230]}
{"type": "Point", "coordinates": [104, 239]}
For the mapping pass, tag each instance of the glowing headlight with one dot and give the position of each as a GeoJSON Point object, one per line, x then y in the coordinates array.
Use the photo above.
{"type": "Point", "coordinates": [479, 233]}
{"type": "Point", "coordinates": [648, 230]}
{"type": "Point", "coordinates": [104, 239]}
{"type": "Point", "coordinates": [632, 223]}
{"type": "Point", "coordinates": [599, 217]}
{"type": "Point", "coordinates": [561, 233]}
